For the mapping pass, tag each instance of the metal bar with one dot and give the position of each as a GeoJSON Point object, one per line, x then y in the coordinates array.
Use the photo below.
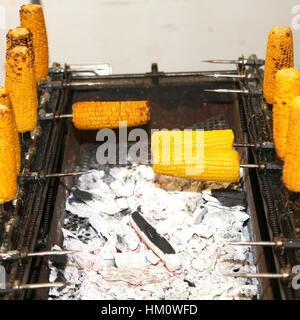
{"type": "Point", "coordinates": [259, 275]}
{"type": "Point", "coordinates": [16, 254]}
{"type": "Point", "coordinates": [268, 166]}
{"type": "Point", "coordinates": [36, 176]}
{"type": "Point", "coordinates": [249, 62]}
{"type": "Point", "coordinates": [251, 243]}
{"type": "Point", "coordinates": [263, 145]}
{"type": "Point", "coordinates": [282, 243]}
{"type": "Point", "coordinates": [97, 69]}
{"type": "Point", "coordinates": [32, 286]}
{"type": "Point", "coordinates": [241, 91]}
{"type": "Point", "coordinates": [96, 81]}
{"type": "Point", "coordinates": [64, 174]}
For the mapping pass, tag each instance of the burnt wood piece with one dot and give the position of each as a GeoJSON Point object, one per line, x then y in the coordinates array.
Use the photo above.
{"type": "Point", "coordinates": [158, 244]}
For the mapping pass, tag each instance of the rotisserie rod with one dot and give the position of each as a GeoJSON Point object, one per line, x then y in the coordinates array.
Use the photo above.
{"type": "Point", "coordinates": [277, 242]}
{"type": "Point", "coordinates": [247, 62]}
{"type": "Point", "coordinates": [98, 82]}
{"type": "Point", "coordinates": [245, 91]}
{"type": "Point", "coordinates": [263, 145]}
{"type": "Point", "coordinates": [286, 273]}
{"type": "Point", "coordinates": [16, 254]}
{"type": "Point", "coordinates": [32, 286]}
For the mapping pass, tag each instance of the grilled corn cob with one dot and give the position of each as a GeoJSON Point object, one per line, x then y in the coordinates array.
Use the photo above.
{"type": "Point", "coordinates": [287, 88]}
{"type": "Point", "coordinates": [19, 37]}
{"type": "Point", "coordinates": [194, 155]}
{"type": "Point", "coordinates": [21, 86]}
{"type": "Point", "coordinates": [32, 18]}
{"type": "Point", "coordinates": [5, 100]}
{"type": "Point", "coordinates": [210, 165]}
{"type": "Point", "coordinates": [291, 168]}
{"type": "Point", "coordinates": [8, 170]}
{"type": "Point", "coordinates": [90, 115]}
{"type": "Point", "coordinates": [280, 55]}
{"type": "Point", "coordinates": [217, 139]}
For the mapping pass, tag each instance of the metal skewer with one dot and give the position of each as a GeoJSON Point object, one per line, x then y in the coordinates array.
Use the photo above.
{"type": "Point", "coordinates": [98, 81]}
{"type": "Point", "coordinates": [16, 254]}
{"type": "Point", "coordinates": [32, 286]}
{"type": "Point", "coordinates": [97, 69]}
{"type": "Point", "coordinates": [278, 242]}
{"type": "Point", "coordinates": [264, 145]}
{"type": "Point", "coordinates": [267, 166]}
{"type": "Point", "coordinates": [284, 275]}
{"type": "Point", "coordinates": [253, 92]}
{"type": "Point", "coordinates": [249, 62]}
{"type": "Point", "coordinates": [37, 176]}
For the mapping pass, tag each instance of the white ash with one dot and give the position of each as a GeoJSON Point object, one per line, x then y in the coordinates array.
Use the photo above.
{"type": "Point", "coordinates": [113, 263]}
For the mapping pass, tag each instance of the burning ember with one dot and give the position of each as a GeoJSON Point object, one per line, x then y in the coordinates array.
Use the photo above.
{"type": "Point", "coordinates": [114, 263]}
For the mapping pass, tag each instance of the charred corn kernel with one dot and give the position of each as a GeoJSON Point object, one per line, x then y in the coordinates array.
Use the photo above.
{"type": "Point", "coordinates": [32, 18]}
{"type": "Point", "coordinates": [210, 165]}
{"type": "Point", "coordinates": [5, 100]}
{"type": "Point", "coordinates": [291, 167]}
{"type": "Point", "coordinates": [91, 115]}
{"type": "Point", "coordinates": [21, 86]}
{"type": "Point", "coordinates": [280, 55]}
{"type": "Point", "coordinates": [287, 89]}
{"type": "Point", "coordinates": [191, 139]}
{"type": "Point", "coordinates": [19, 37]}
{"type": "Point", "coordinates": [8, 170]}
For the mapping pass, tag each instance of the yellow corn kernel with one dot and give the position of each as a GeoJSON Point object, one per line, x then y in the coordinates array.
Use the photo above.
{"type": "Point", "coordinates": [92, 115]}
{"type": "Point", "coordinates": [8, 170]}
{"type": "Point", "coordinates": [5, 100]}
{"type": "Point", "coordinates": [217, 139]}
{"type": "Point", "coordinates": [287, 89]}
{"type": "Point", "coordinates": [19, 37]}
{"type": "Point", "coordinates": [32, 18]}
{"type": "Point", "coordinates": [279, 55]}
{"type": "Point", "coordinates": [210, 165]}
{"type": "Point", "coordinates": [21, 86]}
{"type": "Point", "coordinates": [291, 168]}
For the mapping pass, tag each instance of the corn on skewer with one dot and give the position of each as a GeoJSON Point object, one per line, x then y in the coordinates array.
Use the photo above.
{"type": "Point", "coordinates": [217, 139]}
{"type": "Point", "coordinates": [8, 169]}
{"type": "Point", "coordinates": [279, 55]}
{"type": "Point", "coordinates": [5, 100]}
{"type": "Point", "coordinates": [19, 37]}
{"type": "Point", "coordinates": [221, 166]}
{"type": "Point", "coordinates": [291, 167]}
{"type": "Point", "coordinates": [32, 18]}
{"type": "Point", "coordinates": [90, 115]}
{"type": "Point", "coordinates": [287, 89]}
{"type": "Point", "coordinates": [21, 86]}
{"type": "Point", "coordinates": [192, 154]}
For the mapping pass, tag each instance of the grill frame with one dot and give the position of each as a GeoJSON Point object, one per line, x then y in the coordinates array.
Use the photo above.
{"type": "Point", "coordinates": [66, 156]}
